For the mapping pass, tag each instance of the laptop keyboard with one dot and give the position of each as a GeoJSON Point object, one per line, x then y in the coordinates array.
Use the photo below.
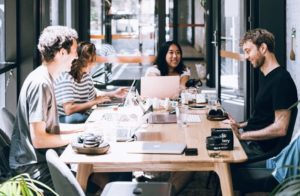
{"type": "Point", "coordinates": [193, 118]}
{"type": "Point", "coordinates": [122, 134]}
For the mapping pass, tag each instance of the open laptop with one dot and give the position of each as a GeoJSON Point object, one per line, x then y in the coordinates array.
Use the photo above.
{"type": "Point", "coordinates": [118, 101]}
{"type": "Point", "coordinates": [160, 87]}
{"type": "Point", "coordinates": [156, 148]}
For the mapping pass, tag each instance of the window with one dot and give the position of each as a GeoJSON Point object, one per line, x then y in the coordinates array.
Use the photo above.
{"type": "Point", "coordinates": [2, 54]}
{"type": "Point", "coordinates": [118, 22]}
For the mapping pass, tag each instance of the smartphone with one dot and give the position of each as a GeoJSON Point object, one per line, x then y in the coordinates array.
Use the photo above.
{"type": "Point", "coordinates": [191, 152]}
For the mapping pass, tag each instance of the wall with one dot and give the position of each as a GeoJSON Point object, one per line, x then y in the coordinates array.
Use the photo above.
{"type": "Point", "coordinates": [293, 21]}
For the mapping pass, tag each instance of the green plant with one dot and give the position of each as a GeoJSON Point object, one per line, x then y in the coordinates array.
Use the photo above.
{"type": "Point", "coordinates": [23, 185]}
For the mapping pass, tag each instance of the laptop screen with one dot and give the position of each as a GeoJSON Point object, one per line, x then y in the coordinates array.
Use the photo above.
{"type": "Point", "coordinates": [160, 87]}
{"type": "Point", "coordinates": [129, 95]}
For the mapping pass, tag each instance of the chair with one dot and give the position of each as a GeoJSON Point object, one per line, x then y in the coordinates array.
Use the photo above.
{"type": "Point", "coordinates": [7, 120]}
{"type": "Point", "coordinates": [6, 128]}
{"type": "Point", "coordinates": [63, 179]}
{"type": "Point", "coordinates": [65, 182]}
{"type": "Point", "coordinates": [5, 171]}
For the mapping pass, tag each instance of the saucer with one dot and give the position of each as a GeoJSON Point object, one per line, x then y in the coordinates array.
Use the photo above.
{"type": "Point", "coordinates": [197, 106]}
{"type": "Point", "coordinates": [217, 117]}
{"type": "Point", "coordinates": [101, 149]}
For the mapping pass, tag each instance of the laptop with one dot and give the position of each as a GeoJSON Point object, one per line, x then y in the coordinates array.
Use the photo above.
{"type": "Point", "coordinates": [156, 148]}
{"type": "Point", "coordinates": [160, 87]}
{"type": "Point", "coordinates": [118, 101]}
{"type": "Point", "coordinates": [162, 118]}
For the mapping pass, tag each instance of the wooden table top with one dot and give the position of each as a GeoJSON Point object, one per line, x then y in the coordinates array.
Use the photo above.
{"type": "Point", "coordinates": [194, 135]}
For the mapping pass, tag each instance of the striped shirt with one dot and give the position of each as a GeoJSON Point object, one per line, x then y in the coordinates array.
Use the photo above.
{"type": "Point", "coordinates": [68, 90]}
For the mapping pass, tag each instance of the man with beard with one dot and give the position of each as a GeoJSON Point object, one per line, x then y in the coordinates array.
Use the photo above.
{"type": "Point", "coordinates": [277, 92]}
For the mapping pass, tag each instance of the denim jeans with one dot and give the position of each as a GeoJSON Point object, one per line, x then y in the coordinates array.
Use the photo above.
{"type": "Point", "coordinates": [73, 118]}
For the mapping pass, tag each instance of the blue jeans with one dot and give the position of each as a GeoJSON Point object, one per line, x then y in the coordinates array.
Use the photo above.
{"type": "Point", "coordinates": [73, 118]}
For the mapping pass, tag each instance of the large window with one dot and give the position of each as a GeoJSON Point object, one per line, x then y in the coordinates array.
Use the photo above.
{"type": "Point", "coordinates": [233, 68]}
{"type": "Point", "coordinates": [2, 54]}
{"type": "Point", "coordinates": [233, 27]}
{"type": "Point", "coordinates": [128, 25]}
{"type": "Point", "coordinates": [185, 24]}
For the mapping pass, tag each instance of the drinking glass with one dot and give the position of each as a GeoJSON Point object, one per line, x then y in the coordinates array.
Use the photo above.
{"type": "Point", "coordinates": [181, 114]}
{"type": "Point", "coordinates": [212, 101]}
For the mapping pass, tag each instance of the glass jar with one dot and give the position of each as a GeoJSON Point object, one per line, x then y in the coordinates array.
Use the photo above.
{"type": "Point", "coordinates": [213, 146]}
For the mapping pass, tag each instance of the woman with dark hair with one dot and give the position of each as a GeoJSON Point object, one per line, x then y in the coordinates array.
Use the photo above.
{"type": "Point", "coordinates": [74, 90]}
{"type": "Point", "coordinates": [169, 63]}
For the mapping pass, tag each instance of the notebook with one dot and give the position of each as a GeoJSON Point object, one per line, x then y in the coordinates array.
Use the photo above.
{"type": "Point", "coordinates": [164, 118]}
{"type": "Point", "coordinates": [156, 148]}
{"type": "Point", "coordinates": [160, 87]}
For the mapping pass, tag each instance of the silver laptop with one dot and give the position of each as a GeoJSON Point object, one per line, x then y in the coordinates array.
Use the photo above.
{"type": "Point", "coordinates": [160, 87]}
{"type": "Point", "coordinates": [164, 118]}
{"type": "Point", "coordinates": [156, 148]}
{"type": "Point", "coordinates": [118, 101]}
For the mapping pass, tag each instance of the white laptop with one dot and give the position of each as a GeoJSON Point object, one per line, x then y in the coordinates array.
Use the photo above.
{"type": "Point", "coordinates": [156, 148]}
{"type": "Point", "coordinates": [160, 87]}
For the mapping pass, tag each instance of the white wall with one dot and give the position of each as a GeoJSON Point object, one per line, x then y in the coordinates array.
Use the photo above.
{"type": "Point", "coordinates": [293, 21]}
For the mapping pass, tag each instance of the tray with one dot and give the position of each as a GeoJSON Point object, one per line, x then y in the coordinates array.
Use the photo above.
{"type": "Point", "coordinates": [101, 149]}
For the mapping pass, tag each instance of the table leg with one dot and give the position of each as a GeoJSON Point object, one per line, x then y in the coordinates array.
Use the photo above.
{"type": "Point", "coordinates": [224, 173]}
{"type": "Point", "coordinates": [83, 173]}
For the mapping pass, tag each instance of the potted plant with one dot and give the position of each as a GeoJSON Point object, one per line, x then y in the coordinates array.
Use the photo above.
{"type": "Point", "coordinates": [23, 185]}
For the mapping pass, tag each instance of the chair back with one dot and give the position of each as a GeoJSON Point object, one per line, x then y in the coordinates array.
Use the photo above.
{"type": "Point", "coordinates": [63, 179]}
{"type": "Point", "coordinates": [7, 120]}
{"type": "Point", "coordinates": [5, 171]}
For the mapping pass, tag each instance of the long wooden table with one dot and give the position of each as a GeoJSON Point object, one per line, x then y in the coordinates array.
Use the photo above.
{"type": "Point", "coordinates": [118, 160]}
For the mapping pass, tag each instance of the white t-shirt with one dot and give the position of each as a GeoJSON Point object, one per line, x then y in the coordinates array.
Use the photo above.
{"type": "Point", "coordinates": [153, 70]}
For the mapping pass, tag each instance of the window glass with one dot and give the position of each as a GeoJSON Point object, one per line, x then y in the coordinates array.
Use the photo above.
{"type": "Point", "coordinates": [185, 24]}
{"type": "Point", "coordinates": [233, 27]}
{"type": "Point", "coordinates": [2, 54]}
{"type": "Point", "coordinates": [119, 22]}
{"type": "Point", "coordinates": [233, 68]}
